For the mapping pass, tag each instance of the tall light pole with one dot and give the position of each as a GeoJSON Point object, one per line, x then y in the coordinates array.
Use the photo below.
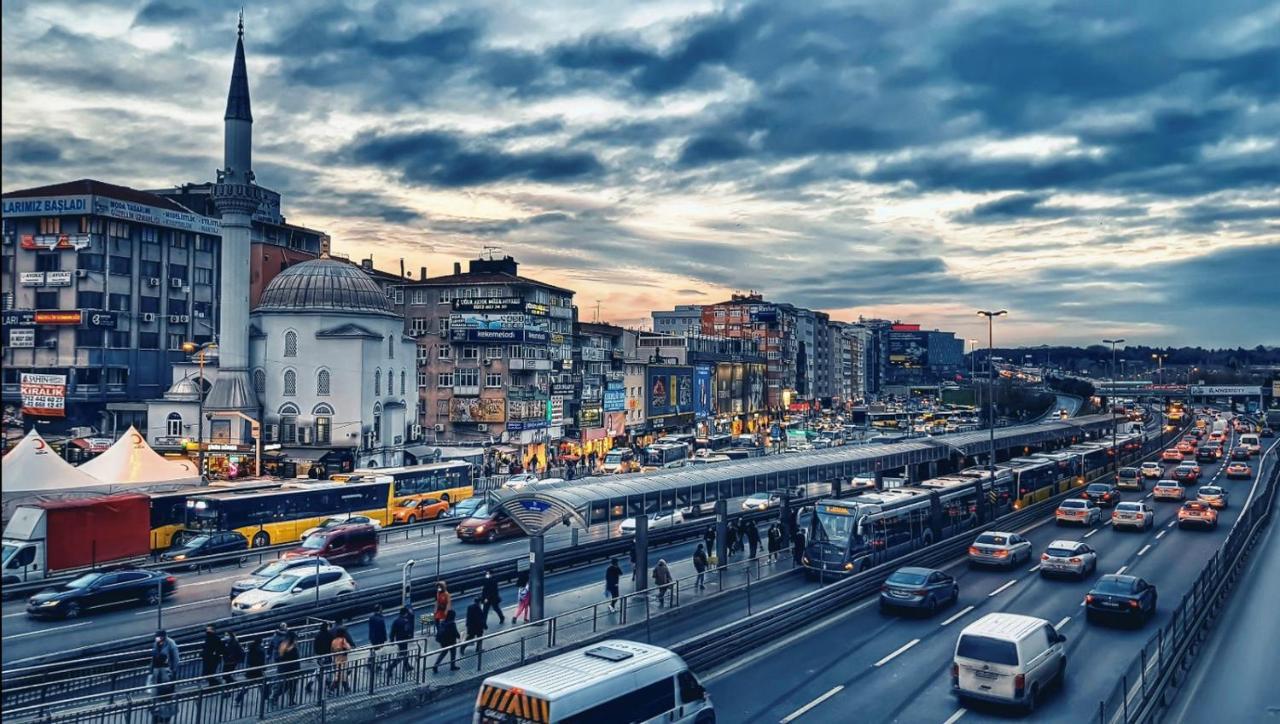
{"type": "Point", "coordinates": [991, 393]}
{"type": "Point", "coordinates": [193, 348]}
{"type": "Point", "coordinates": [1115, 455]}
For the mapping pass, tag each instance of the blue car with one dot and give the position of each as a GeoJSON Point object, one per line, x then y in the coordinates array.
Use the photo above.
{"type": "Point", "coordinates": [924, 589]}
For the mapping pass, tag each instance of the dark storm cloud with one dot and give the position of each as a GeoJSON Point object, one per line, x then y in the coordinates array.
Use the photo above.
{"type": "Point", "coordinates": [34, 151]}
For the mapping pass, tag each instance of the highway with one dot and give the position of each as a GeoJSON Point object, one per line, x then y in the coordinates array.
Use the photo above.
{"type": "Point", "coordinates": [896, 668]}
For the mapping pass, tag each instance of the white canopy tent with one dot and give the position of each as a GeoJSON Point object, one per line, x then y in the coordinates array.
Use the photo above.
{"type": "Point", "coordinates": [34, 472]}
{"type": "Point", "coordinates": [130, 465]}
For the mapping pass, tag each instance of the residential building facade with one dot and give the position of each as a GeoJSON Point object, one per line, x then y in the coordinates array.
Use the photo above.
{"type": "Point", "coordinates": [684, 319]}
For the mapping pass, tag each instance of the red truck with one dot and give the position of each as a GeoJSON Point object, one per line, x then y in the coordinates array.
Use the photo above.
{"type": "Point", "coordinates": [47, 539]}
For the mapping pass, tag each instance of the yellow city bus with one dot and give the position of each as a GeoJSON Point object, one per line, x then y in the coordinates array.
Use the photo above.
{"type": "Point", "coordinates": [449, 481]}
{"type": "Point", "coordinates": [169, 509]}
{"type": "Point", "coordinates": [281, 515]}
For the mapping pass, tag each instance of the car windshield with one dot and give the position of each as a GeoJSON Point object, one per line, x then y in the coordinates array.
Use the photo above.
{"type": "Point", "coordinates": [1207, 490]}
{"type": "Point", "coordinates": [759, 496]}
{"type": "Point", "coordinates": [195, 542]}
{"type": "Point", "coordinates": [1113, 585]}
{"type": "Point", "coordinates": [1128, 472]}
{"type": "Point", "coordinates": [315, 541]}
{"type": "Point", "coordinates": [985, 648]}
{"type": "Point", "coordinates": [613, 457]}
{"type": "Point", "coordinates": [834, 525]}
{"type": "Point", "coordinates": [84, 581]}
{"type": "Point", "coordinates": [908, 579]}
{"type": "Point", "coordinates": [992, 539]}
{"type": "Point", "coordinates": [8, 553]}
{"type": "Point", "coordinates": [480, 512]}
{"type": "Point", "coordinates": [281, 583]}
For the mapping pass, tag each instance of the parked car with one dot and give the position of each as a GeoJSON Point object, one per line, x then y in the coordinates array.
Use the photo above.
{"type": "Point", "coordinates": [996, 548]}
{"type": "Point", "coordinates": [206, 544]}
{"type": "Point", "coordinates": [269, 570]}
{"type": "Point", "coordinates": [334, 521]}
{"type": "Point", "coordinates": [1068, 556]}
{"type": "Point", "coordinates": [343, 545]}
{"type": "Point", "coordinates": [1117, 596]}
{"type": "Point", "coordinates": [919, 588]}
{"type": "Point", "coordinates": [302, 586]}
{"type": "Point", "coordinates": [488, 524]}
{"type": "Point", "coordinates": [656, 520]}
{"type": "Point", "coordinates": [1079, 511]}
{"type": "Point", "coordinates": [1169, 490]}
{"type": "Point", "coordinates": [1214, 495]}
{"type": "Point", "coordinates": [102, 589]}
{"type": "Point", "coordinates": [1008, 658]}
{"type": "Point", "coordinates": [1133, 515]}
{"type": "Point", "coordinates": [1195, 513]}
{"type": "Point", "coordinates": [416, 509]}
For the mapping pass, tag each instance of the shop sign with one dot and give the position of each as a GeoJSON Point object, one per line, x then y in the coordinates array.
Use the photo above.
{"type": "Point", "coordinates": [47, 206]}
{"type": "Point", "coordinates": [100, 319]}
{"type": "Point", "coordinates": [167, 441]}
{"type": "Point", "coordinates": [520, 425]}
{"type": "Point", "coordinates": [486, 321]}
{"type": "Point", "coordinates": [702, 391]}
{"type": "Point", "coordinates": [497, 335]}
{"type": "Point", "coordinates": [31, 279]}
{"type": "Point", "coordinates": [536, 308]}
{"type": "Point", "coordinates": [22, 337]}
{"type": "Point", "coordinates": [590, 417]}
{"type": "Point", "coordinates": [29, 317]}
{"type": "Point", "coordinates": [44, 395]}
{"type": "Point", "coordinates": [491, 304]}
{"type": "Point", "coordinates": [54, 242]}
{"type": "Point", "coordinates": [1225, 391]}
{"type": "Point", "coordinates": [145, 214]}
{"type": "Point", "coordinates": [562, 388]}
{"type": "Point", "coordinates": [477, 409]}
{"type": "Point", "coordinates": [57, 279]}
{"type": "Point", "coordinates": [615, 397]}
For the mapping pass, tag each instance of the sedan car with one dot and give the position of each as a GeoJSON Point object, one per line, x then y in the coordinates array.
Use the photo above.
{"type": "Point", "coordinates": [100, 590]}
{"type": "Point", "coordinates": [918, 588]}
{"type": "Point", "coordinates": [1197, 514]}
{"type": "Point", "coordinates": [1151, 471]}
{"type": "Point", "coordinates": [999, 549]}
{"type": "Point", "coordinates": [1187, 472]}
{"type": "Point", "coordinates": [1207, 455]}
{"type": "Point", "coordinates": [1214, 495]}
{"type": "Point", "coordinates": [336, 520]}
{"type": "Point", "coordinates": [519, 481]}
{"type": "Point", "coordinates": [1103, 494]}
{"type": "Point", "coordinates": [1239, 471]}
{"type": "Point", "coordinates": [656, 520]}
{"type": "Point", "coordinates": [271, 569]}
{"type": "Point", "coordinates": [1171, 456]}
{"type": "Point", "coordinates": [466, 508]}
{"type": "Point", "coordinates": [1070, 557]}
{"type": "Point", "coordinates": [206, 544]}
{"type": "Point", "coordinates": [1240, 452]}
{"type": "Point", "coordinates": [1133, 515]}
{"type": "Point", "coordinates": [1121, 597]}
{"type": "Point", "coordinates": [303, 586]}
{"type": "Point", "coordinates": [1169, 490]}
{"type": "Point", "coordinates": [1267, 432]}
{"type": "Point", "coordinates": [1186, 448]}
{"type": "Point", "coordinates": [1083, 512]}
{"type": "Point", "coordinates": [761, 501]}
{"type": "Point", "coordinates": [412, 511]}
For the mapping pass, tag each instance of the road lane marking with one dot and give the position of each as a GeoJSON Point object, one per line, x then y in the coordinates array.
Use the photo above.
{"type": "Point", "coordinates": [1145, 548]}
{"type": "Point", "coordinates": [213, 580]}
{"type": "Point", "coordinates": [1161, 534]}
{"type": "Point", "coordinates": [1034, 568]}
{"type": "Point", "coordinates": [1095, 530]}
{"type": "Point", "coordinates": [367, 570]}
{"type": "Point", "coordinates": [11, 615]}
{"type": "Point", "coordinates": [804, 709]}
{"type": "Point", "coordinates": [1122, 570]}
{"type": "Point", "coordinates": [47, 630]}
{"type": "Point", "coordinates": [958, 614]}
{"type": "Point", "coordinates": [1002, 588]}
{"type": "Point", "coordinates": [955, 717]}
{"type": "Point", "coordinates": [1148, 495]}
{"type": "Point", "coordinates": [1062, 623]}
{"type": "Point", "coordinates": [895, 654]}
{"type": "Point", "coordinates": [1172, 523]}
{"type": "Point", "coordinates": [152, 611]}
{"type": "Point", "coordinates": [786, 641]}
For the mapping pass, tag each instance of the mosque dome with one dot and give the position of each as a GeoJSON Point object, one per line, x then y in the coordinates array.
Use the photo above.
{"type": "Point", "coordinates": [184, 389]}
{"type": "Point", "coordinates": [324, 285]}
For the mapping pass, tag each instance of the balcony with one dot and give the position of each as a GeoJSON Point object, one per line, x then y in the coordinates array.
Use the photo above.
{"type": "Point", "coordinates": [529, 364]}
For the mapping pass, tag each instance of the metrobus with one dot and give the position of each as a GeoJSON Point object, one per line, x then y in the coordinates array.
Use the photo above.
{"type": "Point", "coordinates": [169, 509]}
{"type": "Point", "coordinates": [280, 515]}
{"type": "Point", "coordinates": [665, 455]}
{"type": "Point", "coordinates": [712, 442]}
{"type": "Point", "coordinates": [450, 481]}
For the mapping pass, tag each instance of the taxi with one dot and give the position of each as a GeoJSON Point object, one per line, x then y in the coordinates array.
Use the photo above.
{"type": "Point", "coordinates": [1191, 440]}
{"type": "Point", "coordinates": [1215, 496]}
{"type": "Point", "coordinates": [1171, 455]}
{"type": "Point", "coordinates": [1239, 471]}
{"type": "Point", "coordinates": [1185, 447]}
{"type": "Point", "coordinates": [413, 510]}
{"type": "Point", "coordinates": [1168, 490]}
{"type": "Point", "coordinates": [1197, 513]}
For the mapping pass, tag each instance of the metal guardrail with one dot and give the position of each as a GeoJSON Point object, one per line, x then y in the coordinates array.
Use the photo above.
{"type": "Point", "coordinates": [1140, 694]}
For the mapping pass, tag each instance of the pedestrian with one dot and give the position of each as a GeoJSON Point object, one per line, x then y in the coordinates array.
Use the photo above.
{"type": "Point", "coordinates": [447, 636]}
{"type": "Point", "coordinates": [775, 542]}
{"type": "Point", "coordinates": [160, 681]}
{"type": "Point", "coordinates": [210, 655]}
{"type": "Point", "coordinates": [477, 622]}
{"type": "Point", "coordinates": [444, 603]}
{"type": "Point", "coordinates": [232, 657]}
{"type": "Point", "coordinates": [612, 575]}
{"type": "Point", "coordinates": [662, 578]}
{"type": "Point", "coordinates": [321, 646]}
{"type": "Point", "coordinates": [288, 668]}
{"type": "Point", "coordinates": [401, 632]}
{"type": "Point", "coordinates": [523, 598]}
{"type": "Point", "coordinates": [340, 648]}
{"type": "Point", "coordinates": [490, 598]}
{"type": "Point", "coordinates": [797, 546]}
{"type": "Point", "coordinates": [277, 638]}
{"type": "Point", "coordinates": [753, 538]}
{"type": "Point", "coordinates": [731, 541]}
{"type": "Point", "coordinates": [700, 565]}
{"type": "Point", "coordinates": [166, 646]}
{"type": "Point", "coordinates": [709, 537]}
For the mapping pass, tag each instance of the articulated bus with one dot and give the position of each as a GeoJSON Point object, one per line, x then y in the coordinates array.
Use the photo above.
{"type": "Point", "coordinates": [280, 515]}
{"type": "Point", "coordinates": [449, 481]}
{"type": "Point", "coordinates": [169, 509]}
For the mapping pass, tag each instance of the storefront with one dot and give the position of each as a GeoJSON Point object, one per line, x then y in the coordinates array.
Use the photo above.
{"type": "Point", "coordinates": [313, 463]}
{"type": "Point", "coordinates": [83, 449]}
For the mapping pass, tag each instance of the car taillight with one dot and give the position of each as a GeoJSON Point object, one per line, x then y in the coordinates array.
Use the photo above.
{"type": "Point", "coordinates": [973, 550]}
{"type": "Point", "coordinates": [1138, 516]}
{"type": "Point", "coordinates": [1133, 604]}
{"type": "Point", "coordinates": [1075, 560]}
{"type": "Point", "coordinates": [1088, 598]}
{"type": "Point", "coordinates": [1019, 683]}
{"type": "Point", "coordinates": [955, 674]}
{"type": "Point", "coordinates": [1001, 554]}
{"type": "Point", "coordinates": [170, 579]}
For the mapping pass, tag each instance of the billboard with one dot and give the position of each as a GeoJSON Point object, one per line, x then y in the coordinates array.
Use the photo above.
{"type": "Point", "coordinates": [702, 407]}
{"type": "Point", "coordinates": [44, 395]}
{"type": "Point", "coordinates": [22, 337]}
{"type": "Point", "coordinates": [615, 397]}
{"type": "Point", "coordinates": [499, 335]}
{"type": "Point", "coordinates": [1225, 391]}
{"type": "Point", "coordinates": [909, 349]}
{"type": "Point", "coordinates": [473, 320]}
{"type": "Point", "coordinates": [668, 390]}
{"type": "Point", "coordinates": [491, 304]}
{"type": "Point", "coordinates": [477, 409]}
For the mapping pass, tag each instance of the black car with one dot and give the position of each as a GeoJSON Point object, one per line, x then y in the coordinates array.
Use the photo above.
{"type": "Point", "coordinates": [1266, 432]}
{"type": "Point", "coordinates": [1121, 597]}
{"type": "Point", "coordinates": [101, 589]}
{"type": "Point", "coordinates": [206, 544]}
{"type": "Point", "coordinates": [1207, 455]}
{"type": "Point", "coordinates": [1240, 452]}
{"type": "Point", "coordinates": [1104, 495]}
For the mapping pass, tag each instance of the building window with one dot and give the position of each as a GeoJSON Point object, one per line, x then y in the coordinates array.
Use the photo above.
{"type": "Point", "coordinates": [204, 243]}
{"type": "Point", "coordinates": [470, 352]}
{"type": "Point", "coordinates": [446, 296]}
{"type": "Point", "coordinates": [402, 382]}
{"type": "Point", "coordinates": [391, 346]}
{"type": "Point", "coordinates": [179, 239]}
{"type": "Point", "coordinates": [290, 344]}
{"type": "Point", "coordinates": [178, 271]}
{"type": "Point", "coordinates": [444, 324]}
{"type": "Point", "coordinates": [377, 423]}
{"type": "Point", "coordinates": [493, 353]}
{"type": "Point", "coordinates": [118, 302]}
{"type": "Point", "coordinates": [290, 383]}
{"type": "Point", "coordinates": [146, 269]}
{"type": "Point", "coordinates": [517, 352]}
{"type": "Point", "coordinates": [377, 382]}
{"type": "Point", "coordinates": [444, 379]}
{"type": "Point", "coordinates": [91, 262]}
{"type": "Point", "coordinates": [417, 326]}
{"type": "Point", "coordinates": [288, 429]}
{"type": "Point", "coordinates": [419, 296]}
{"type": "Point", "coordinates": [118, 229]}
{"type": "Point", "coordinates": [467, 377]}
{"type": "Point", "coordinates": [149, 304]}
{"type": "Point", "coordinates": [88, 337]}
{"type": "Point", "coordinates": [493, 379]}
{"type": "Point", "coordinates": [259, 381]}
{"type": "Point", "coordinates": [175, 341]}
{"type": "Point", "coordinates": [46, 300]}
{"type": "Point", "coordinates": [444, 351]}
{"type": "Point", "coordinates": [89, 300]}
{"type": "Point", "coordinates": [177, 306]}
{"type": "Point", "coordinates": [48, 262]}
{"type": "Point", "coordinates": [173, 425]}
{"type": "Point", "coordinates": [324, 426]}
{"type": "Point", "coordinates": [422, 354]}
{"type": "Point", "coordinates": [203, 275]}
{"type": "Point", "coordinates": [322, 383]}
{"type": "Point", "coordinates": [149, 340]}
{"type": "Point", "coordinates": [397, 295]}
{"type": "Point", "coordinates": [51, 225]}
{"type": "Point", "coordinates": [423, 377]}
{"type": "Point", "coordinates": [118, 340]}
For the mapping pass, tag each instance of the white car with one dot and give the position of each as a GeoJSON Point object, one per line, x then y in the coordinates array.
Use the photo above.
{"type": "Point", "coordinates": [656, 520]}
{"type": "Point", "coordinates": [333, 520]}
{"type": "Point", "coordinates": [761, 501]}
{"type": "Point", "coordinates": [295, 587]}
{"type": "Point", "coordinates": [520, 481]}
{"type": "Point", "coordinates": [1068, 556]}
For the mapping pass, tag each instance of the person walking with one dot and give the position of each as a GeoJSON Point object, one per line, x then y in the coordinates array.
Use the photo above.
{"type": "Point", "coordinates": [232, 657]}
{"type": "Point", "coordinates": [477, 622]}
{"type": "Point", "coordinates": [753, 538]}
{"type": "Point", "coordinates": [523, 597]}
{"type": "Point", "coordinates": [279, 637]}
{"type": "Point", "coordinates": [166, 647]}
{"type": "Point", "coordinates": [490, 598]}
{"type": "Point", "coordinates": [255, 662]}
{"type": "Point", "coordinates": [211, 655]}
{"type": "Point", "coordinates": [340, 648]}
{"type": "Point", "coordinates": [447, 636]}
{"type": "Point", "coordinates": [662, 579]}
{"type": "Point", "coordinates": [775, 542]}
{"type": "Point", "coordinates": [288, 669]}
{"type": "Point", "coordinates": [700, 565]}
{"type": "Point", "coordinates": [401, 632]}
{"type": "Point", "coordinates": [321, 646]}
{"type": "Point", "coordinates": [377, 631]}
{"type": "Point", "coordinates": [444, 603]}
{"type": "Point", "coordinates": [797, 546]}
{"type": "Point", "coordinates": [160, 681]}
{"type": "Point", "coordinates": [612, 575]}
{"type": "Point", "coordinates": [731, 542]}
{"type": "Point", "coordinates": [709, 537]}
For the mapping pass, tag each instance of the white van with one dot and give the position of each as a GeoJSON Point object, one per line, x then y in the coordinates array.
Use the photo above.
{"type": "Point", "coordinates": [1251, 441]}
{"type": "Point", "coordinates": [1009, 659]}
{"type": "Point", "coordinates": [611, 681]}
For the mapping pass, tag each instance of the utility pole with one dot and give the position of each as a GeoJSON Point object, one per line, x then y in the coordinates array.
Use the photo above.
{"type": "Point", "coordinates": [1115, 455]}
{"type": "Point", "coordinates": [991, 394]}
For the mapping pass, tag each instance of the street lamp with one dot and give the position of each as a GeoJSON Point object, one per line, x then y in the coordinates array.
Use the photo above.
{"type": "Point", "coordinates": [991, 394]}
{"type": "Point", "coordinates": [191, 348]}
{"type": "Point", "coordinates": [1112, 399]}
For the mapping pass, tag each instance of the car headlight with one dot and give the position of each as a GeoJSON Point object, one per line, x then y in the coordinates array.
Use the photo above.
{"type": "Point", "coordinates": [479, 529]}
{"type": "Point", "coordinates": [49, 604]}
{"type": "Point", "coordinates": [180, 557]}
{"type": "Point", "coordinates": [259, 605]}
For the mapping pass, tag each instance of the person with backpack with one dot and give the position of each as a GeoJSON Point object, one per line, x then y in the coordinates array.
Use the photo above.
{"type": "Point", "coordinates": [401, 633]}
{"type": "Point", "coordinates": [490, 598]}
{"type": "Point", "coordinates": [447, 636]}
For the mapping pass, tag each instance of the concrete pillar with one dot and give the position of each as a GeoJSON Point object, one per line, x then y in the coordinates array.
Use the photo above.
{"type": "Point", "coordinates": [835, 488]}
{"type": "Point", "coordinates": [642, 553]}
{"type": "Point", "coordinates": [722, 531]}
{"type": "Point", "coordinates": [536, 586]}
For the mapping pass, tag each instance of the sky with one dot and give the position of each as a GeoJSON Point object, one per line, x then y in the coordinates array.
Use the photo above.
{"type": "Point", "coordinates": [1098, 169]}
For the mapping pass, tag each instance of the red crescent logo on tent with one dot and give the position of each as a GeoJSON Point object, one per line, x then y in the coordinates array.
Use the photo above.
{"type": "Point", "coordinates": [137, 440]}
{"type": "Point", "coordinates": [40, 444]}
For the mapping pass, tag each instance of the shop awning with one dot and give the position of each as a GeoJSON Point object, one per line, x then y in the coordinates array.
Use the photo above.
{"type": "Point", "coordinates": [303, 454]}
{"type": "Point", "coordinates": [420, 451]}
{"type": "Point", "coordinates": [93, 444]}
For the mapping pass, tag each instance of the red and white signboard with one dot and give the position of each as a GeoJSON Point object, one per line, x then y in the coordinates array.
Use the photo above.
{"type": "Point", "coordinates": [44, 395]}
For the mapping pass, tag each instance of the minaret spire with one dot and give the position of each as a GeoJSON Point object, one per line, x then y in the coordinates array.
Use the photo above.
{"type": "Point", "coordinates": [238, 95]}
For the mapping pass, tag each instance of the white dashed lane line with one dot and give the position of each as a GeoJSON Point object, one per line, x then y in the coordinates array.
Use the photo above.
{"type": "Point", "coordinates": [956, 716]}
{"type": "Point", "coordinates": [897, 653]}
{"type": "Point", "coordinates": [1145, 548]}
{"type": "Point", "coordinates": [1002, 588]}
{"type": "Point", "coordinates": [957, 615]}
{"type": "Point", "coordinates": [1161, 534]}
{"type": "Point", "coordinates": [1034, 568]}
{"type": "Point", "coordinates": [1062, 623]}
{"type": "Point", "coordinates": [804, 709]}
{"type": "Point", "coordinates": [1122, 570]}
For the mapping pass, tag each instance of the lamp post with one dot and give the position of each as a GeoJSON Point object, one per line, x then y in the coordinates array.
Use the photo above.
{"type": "Point", "coordinates": [193, 348]}
{"type": "Point", "coordinates": [991, 393]}
{"type": "Point", "coordinates": [1114, 454]}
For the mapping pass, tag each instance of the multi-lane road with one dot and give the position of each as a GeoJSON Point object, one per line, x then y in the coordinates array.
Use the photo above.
{"type": "Point", "coordinates": [897, 668]}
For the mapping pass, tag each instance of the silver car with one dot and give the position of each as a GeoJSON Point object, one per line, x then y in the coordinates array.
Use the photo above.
{"type": "Point", "coordinates": [1133, 515]}
{"type": "Point", "coordinates": [995, 548]}
{"type": "Point", "coordinates": [1068, 556]}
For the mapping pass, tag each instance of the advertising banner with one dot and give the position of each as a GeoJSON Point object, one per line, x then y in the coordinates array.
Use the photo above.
{"type": "Point", "coordinates": [44, 395]}
{"type": "Point", "coordinates": [31, 279]}
{"type": "Point", "coordinates": [562, 388]}
{"type": "Point", "coordinates": [499, 335]}
{"type": "Point", "coordinates": [668, 390]}
{"type": "Point", "coordinates": [57, 279]}
{"type": "Point", "coordinates": [50, 242]}
{"type": "Point", "coordinates": [477, 409]}
{"type": "Point", "coordinates": [491, 304]}
{"type": "Point", "coordinates": [702, 392]}
{"type": "Point", "coordinates": [615, 397]}
{"type": "Point", "coordinates": [472, 320]}
{"type": "Point", "coordinates": [100, 319]}
{"type": "Point", "coordinates": [908, 349]}
{"type": "Point", "coordinates": [536, 308]}
{"type": "Point", "coordinates": [615, 424]}
{"type": "Point", "coordinates": [519, 425]}
{"type": "Point", "coordinates": [47, 206]}
{"type": "Point", "coordinates": [1225, 391]}
{"type": "Point", "coordinates": [590, 417]}
{"type": "Point", "coordinates": [22, 337]}
{"type": "Point", "coordinates": [59, 317]}
{"type": "Point", "coordinates": [142, 213]}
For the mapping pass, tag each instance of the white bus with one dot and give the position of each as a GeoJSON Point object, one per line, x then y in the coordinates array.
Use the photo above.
{"type": "Point", "coordinates": [613, 681]}
{"type": "Point", "coordinates": [665, 455]}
